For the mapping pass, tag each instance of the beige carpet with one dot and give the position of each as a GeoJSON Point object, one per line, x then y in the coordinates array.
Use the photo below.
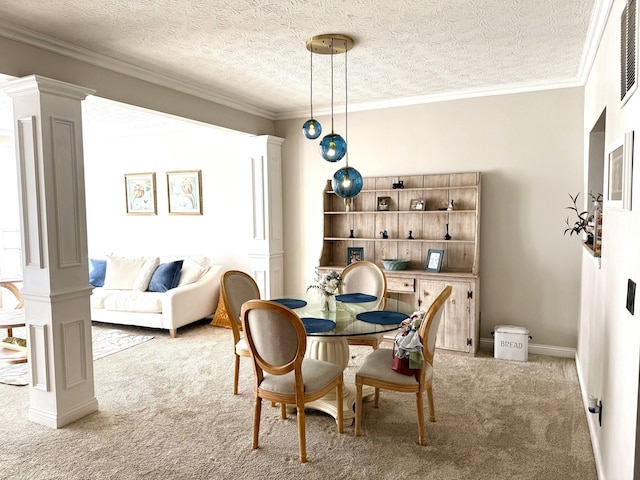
{"type": "Point", "coordinates": [167, 412]}
{"type": "Point", "coordinates": [106, 340]}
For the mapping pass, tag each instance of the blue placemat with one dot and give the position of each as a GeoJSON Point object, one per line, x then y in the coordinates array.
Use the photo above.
{"type": "Point", "coordinates": [317, 325]}
{"type": "Point", "coordinates": [356, 298]}
{"type": "Point", "coordinates": [382, 317]}
{"type": "Point", "coordinates": [290, 302]}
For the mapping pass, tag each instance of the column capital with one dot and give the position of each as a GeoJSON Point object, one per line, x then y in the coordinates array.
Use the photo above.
{"type": "Point", "coordinates": [33, 83]}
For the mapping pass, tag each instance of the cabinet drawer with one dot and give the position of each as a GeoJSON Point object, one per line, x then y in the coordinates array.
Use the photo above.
{"type": "Point", "coordinates": [401, 284]}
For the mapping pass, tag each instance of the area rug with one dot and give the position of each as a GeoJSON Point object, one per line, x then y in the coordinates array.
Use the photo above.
{"type": "Point", "coordinates": [106, 341]}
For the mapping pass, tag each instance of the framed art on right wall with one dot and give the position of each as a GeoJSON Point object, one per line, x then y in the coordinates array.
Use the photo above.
{"type": "Point", "coordinates": [618, 174]}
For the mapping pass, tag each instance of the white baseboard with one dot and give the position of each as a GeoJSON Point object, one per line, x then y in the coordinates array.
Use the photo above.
{"type": "Point", "coordinates": [592, 421]}
{"type": "Point", "coordinates": [537, 348]}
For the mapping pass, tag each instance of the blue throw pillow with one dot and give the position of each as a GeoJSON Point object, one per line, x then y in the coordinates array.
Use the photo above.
{"type": "Point", "coordinates": [166, 276]}
{"type": "Point", "coordinates": [97, 271]}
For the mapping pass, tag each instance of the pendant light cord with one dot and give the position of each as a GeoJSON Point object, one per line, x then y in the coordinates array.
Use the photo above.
{"type": "Point", "coordinates": [332, 86]}
{"type": "Point", "coordinates": [346, 103]}
{"type": "Point", "coordinates": [311, 96]}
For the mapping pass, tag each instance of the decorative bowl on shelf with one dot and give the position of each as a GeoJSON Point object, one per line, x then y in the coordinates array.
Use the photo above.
{"type": "Point", "coordinates": [395, 263]}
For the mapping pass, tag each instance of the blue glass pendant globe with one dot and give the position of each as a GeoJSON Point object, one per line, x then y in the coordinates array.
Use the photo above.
{"type": "Point", "coordinates": [312, 129]}
{"type": "Point", "coordinates": [333, 147]}
{"type": "Point", "coordinates": [347, 182]}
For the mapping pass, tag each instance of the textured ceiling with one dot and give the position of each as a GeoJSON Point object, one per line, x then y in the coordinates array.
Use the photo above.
{"type": "Point", "coordinates": [251, 53]}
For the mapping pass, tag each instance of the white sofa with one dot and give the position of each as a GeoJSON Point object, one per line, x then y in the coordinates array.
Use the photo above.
{"type": "Point", "coordinates": [123, 297]}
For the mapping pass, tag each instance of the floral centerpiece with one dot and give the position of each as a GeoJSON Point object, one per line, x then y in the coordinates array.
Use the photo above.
{"type": "Point", "coordinates": [328, 285]}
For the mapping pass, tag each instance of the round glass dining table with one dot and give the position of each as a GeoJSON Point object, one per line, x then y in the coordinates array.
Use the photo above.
{"type": "Point", "coordinates": [328, 331]}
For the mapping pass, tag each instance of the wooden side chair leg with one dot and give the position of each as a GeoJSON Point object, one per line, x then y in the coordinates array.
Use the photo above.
{"type": "Point", "coordinates": [432, 408]}
{"type": "Point", "coordinates": [236, 374]}
{"type": "Point", "coordinates": [283, 410]}
{"type": "Point", "coordinates": [256, 421]}
{"type": "Point", "coordinates": [376, 397]}
{"type": "Point", "coordinates": [302, 439]}
{"type": "Point", "coordinates": [420, 409]}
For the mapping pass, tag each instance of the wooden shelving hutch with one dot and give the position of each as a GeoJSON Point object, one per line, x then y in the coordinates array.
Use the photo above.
{"type": "Point", "coordinates": [460, 326]}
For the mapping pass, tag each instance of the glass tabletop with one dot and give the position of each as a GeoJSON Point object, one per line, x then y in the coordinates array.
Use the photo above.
{"type": "Point", "coordinates": [346, 315]}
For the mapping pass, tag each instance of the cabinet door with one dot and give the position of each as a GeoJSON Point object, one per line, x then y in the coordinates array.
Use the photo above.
{"type": "Point", "coordinates": [455, 331]}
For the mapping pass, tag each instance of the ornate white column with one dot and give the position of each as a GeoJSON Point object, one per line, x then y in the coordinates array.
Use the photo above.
{"type": "Point", "coordinates": [267, 248]}
{"type": "Point", "coordinates": [48, 134]}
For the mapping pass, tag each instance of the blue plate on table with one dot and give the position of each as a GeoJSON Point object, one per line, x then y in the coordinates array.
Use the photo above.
{"type": "Point", "coordinates": [317, 325]}
{"type": "Point", "coordinates": [356, 298]}
{"type": "Point", "coordinates": [382, 317]}
{"type": "Point", "coordinates": [290, 302]}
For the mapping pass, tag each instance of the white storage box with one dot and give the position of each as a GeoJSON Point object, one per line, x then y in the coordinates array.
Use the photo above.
{"type": "Point", "coordinates": [511, 343]}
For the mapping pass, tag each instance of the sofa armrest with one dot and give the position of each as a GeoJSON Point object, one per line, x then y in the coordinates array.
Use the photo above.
{"type": "Point", "coordinates": [192, 302]}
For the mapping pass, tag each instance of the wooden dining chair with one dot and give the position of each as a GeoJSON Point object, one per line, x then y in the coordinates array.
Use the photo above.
{"type": "Point", "coordinates": [365, 277]}
{"type": "Point", "coordinates": [237, 287]}
{"type": "Point", "coordinates": [376, 369]}
{"type": "Point", "coordinates": [277, 340]}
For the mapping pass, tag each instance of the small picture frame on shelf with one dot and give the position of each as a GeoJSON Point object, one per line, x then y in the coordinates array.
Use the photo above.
{"type": "Point", "coordinates": [383, 204]}
{"type": "Point", "coordinates": [354, 254]}
{"type": "Point", "coordinates": [417, 204]}
{"type": "Point", "coordinates": [434, 260]}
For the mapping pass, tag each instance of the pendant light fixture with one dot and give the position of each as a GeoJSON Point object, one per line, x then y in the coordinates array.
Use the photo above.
{"type": "Point", "coordinates": [311, 128]}
{"type": "Point", "coordinates": [332, 147]}
{"type": "Point", "coordinates": [347, 181]}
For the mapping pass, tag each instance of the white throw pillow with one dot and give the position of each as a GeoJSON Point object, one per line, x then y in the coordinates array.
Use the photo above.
{"type": "Point", "coordinates": [191, 272]}
{"type": "Point", "coordinates": [122, 272]}
{"type": "Point", "coordinates": [141, 282]}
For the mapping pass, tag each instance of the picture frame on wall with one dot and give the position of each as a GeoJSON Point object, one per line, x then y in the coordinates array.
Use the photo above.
{"type": "Point", "coordinates": [384, 204]}
{"type": "Point", "coordinates": [434, 260]}
{"type": "Point", "coordinates": [619, 173]}
{"type": "Point", "coordinates": [416, 204]}
{"type": "Point", "coordinates": [184, 189]}
{"type": "Point", "coordinates": [140, 193]}
{"type": "Point", "coordinates": [354, 254]}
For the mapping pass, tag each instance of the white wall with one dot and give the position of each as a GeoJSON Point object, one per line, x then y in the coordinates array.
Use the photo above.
{"type": "Point", "coordinates": [529, 150]}
{"type": "Point", "coordinates": [608, 355]}
{"type": "Point", "coordinates": [223, 231]}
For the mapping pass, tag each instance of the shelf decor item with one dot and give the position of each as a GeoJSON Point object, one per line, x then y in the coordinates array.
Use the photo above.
{"type": "Point", "coordinates": [395, 263]}
{"type": "Point", "coordinates": [434, 260]}
{"type": "Point", "coordinates": [355, 254]}
{"type": "Point", "coordinates": [140, 193]}
{"type": "Point", "coordinates": [383, 204]}
{"type": "Point", "coordinates": [417, 204]}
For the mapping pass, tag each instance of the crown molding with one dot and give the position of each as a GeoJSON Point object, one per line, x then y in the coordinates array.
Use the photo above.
{"type": "Point", "coordinates": [59, 47]}
{"type": "Point", "coordinates": [597, 24]}
{"type": "Point", "coordinates": [438, 97]}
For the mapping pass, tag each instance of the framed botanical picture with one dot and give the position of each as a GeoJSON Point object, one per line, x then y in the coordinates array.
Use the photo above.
{"type": "Point", "coordinates": [384, 203]}
{"type": "Point", "coordinates": [434, 260]}
{"type": "Point", "coordinates": [354, 254]}
{"type": "Point", "coordinates": [140, 193]}
{"type": "Point", "coordinates": [185, 192]}
{"type": "Point", "coordinates": [417, 204]}
{"type": "Point", "coordinates": [618, 175]}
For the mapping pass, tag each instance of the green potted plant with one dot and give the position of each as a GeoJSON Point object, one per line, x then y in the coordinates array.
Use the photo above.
{"type": "Point", "coordinates": [584, 219]}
